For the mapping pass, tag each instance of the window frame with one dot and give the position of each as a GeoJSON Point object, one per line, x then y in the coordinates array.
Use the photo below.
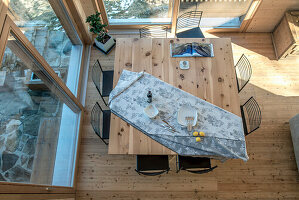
{"type": "Point", "coordinates": [62, 12]}
{"type": "Point", "coordinates": [7, 26]}
{"type": "Point", "coordinates": [99, 6]}
{"type": "Point", "coordinates": [10, 26]}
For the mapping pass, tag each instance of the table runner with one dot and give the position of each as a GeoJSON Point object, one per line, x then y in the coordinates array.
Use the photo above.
{"type": "Point", "coordinates": [224, 130]}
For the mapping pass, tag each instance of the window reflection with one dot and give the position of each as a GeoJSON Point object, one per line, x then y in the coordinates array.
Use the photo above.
{"type": "Point", "coordinates": [137, 9]}
{"type": "Point", "coordinates": [43, 29]}
{"type": "Point", "coordinates": [218, 13]}
{"type": "Point", "coordinates": [35, 116]}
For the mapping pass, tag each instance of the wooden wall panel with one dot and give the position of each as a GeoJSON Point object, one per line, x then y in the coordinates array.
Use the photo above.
{"type": "Point", "coordinates": [270, 13]}
{"type": "Point", "coordinates": [88, 7]}
{"type": "Point", "coordinates": [75, 8]}
{"type": "Point", "coordinates": [101, 6]}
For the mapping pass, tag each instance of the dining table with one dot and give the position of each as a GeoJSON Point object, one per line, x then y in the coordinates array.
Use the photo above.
{"type": "Point", "coordinates": [209, 79]}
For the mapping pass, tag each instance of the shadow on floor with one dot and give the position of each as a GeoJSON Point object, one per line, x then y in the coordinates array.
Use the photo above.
{"type": "Point", "coordinates": [260, 43]}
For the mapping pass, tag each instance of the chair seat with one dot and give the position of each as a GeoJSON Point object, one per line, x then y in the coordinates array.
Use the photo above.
{"type": "Point", "coordinates": [191, 33]}
{"type": "Point", "coordinates": [106, 124]}
{"type": "Point", "coordinates": [107, 83]}
{"type": "Point", "coordinates": [152, 162]}
{"type": "Point", "coordinates": [188, 162]}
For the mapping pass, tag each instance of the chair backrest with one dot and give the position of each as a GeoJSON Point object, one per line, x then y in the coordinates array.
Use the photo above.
{"type": "Point", "coordinates": [243, 72]}
{"type": "Point", "coordinates": [97, 76]}
{"type": "Point", "coordinates": [188, 20]}
{"type": "Point", "coordinates": [153, 31]}
{"type": "Point", "coordinates": [251, 115]}
{"type": "Point", "coordinates": [152, 165]}
{"type": "Point", "coordinates": [96, 119]}
{"type": "Point", "coordinates": [188, 163]}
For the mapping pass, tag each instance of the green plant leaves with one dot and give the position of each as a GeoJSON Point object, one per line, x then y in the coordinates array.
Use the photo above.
{"type": "Point", "coordinates": [97, 27]}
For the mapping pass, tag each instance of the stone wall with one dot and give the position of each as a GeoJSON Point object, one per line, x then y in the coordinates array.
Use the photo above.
{"type": "Point", "coordinates": [18, 136]}
{"type": "Point", "coordinates": [53, 45]}
{"type": "Point", "coordinates": [21, 108]}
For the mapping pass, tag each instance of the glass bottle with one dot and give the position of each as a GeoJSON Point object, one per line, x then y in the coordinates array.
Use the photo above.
{"type": "Point", "coordinates": [149, 97]}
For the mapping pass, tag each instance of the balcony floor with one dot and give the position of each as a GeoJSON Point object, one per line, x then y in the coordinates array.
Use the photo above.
{"type": "Point", "coordinates": [270, 173]}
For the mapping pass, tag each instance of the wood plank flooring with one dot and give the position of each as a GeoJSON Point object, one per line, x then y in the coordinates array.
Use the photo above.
{"type": "Point", "coordinates": [270, 173]}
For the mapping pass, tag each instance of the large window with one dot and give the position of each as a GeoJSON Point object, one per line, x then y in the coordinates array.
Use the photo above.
{"type": "Point", "coordinates": [43, 29]}
{"type": "Point", "coordinates": [38, 122]}
{"type": "Point", "coordinates": [218, 13]}
{"type": "Point", "coordinates": [138, 11]}
{"type": "Point", "coordinates": [40, 60]}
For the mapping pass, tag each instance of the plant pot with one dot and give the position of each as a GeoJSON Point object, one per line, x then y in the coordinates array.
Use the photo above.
{"type": "Point", "coordinates": [108, 44]}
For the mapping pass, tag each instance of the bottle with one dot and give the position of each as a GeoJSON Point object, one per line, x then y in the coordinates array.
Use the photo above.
{"type": "Point", "coordinates": [149, 97]}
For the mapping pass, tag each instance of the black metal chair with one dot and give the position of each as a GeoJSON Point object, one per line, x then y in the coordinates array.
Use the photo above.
{"type": "Point", "coordinates": [251, 115]}
{"type": "Point", "coordinates": [188, 25]}
{"type": "Point", "coordinates": [192, 164]}
{"type": "Point", "coordinates": [153, 31]}
{"type": "Point", "coordinates": [152, 165]}
{"type": "Point", "coordinates": [103, 80]}
{"type": "Point", "coordinates": [100, 121]}
{"type": "Point", "coordinates": [243, 72]}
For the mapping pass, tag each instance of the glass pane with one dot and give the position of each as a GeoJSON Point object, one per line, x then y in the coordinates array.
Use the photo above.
{"type": "Point", "coordinates": [136, 9]}
{"type": "Point", "coordinates": [34, 123]}
{"type": "Point", "coordinates": [43, 29]}
{"type": "Point", "coordinates": [218, 13]}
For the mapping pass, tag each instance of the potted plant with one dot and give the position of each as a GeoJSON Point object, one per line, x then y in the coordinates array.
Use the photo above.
{"type": "Point", "coordinates": [104, 41]}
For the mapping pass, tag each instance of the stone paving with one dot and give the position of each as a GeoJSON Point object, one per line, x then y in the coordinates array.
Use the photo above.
{"type": "Point", "coordinates": [18, 138]}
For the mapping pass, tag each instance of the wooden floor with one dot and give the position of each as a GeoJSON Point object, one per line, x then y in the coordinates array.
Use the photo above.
{"type": "Point", "coordinates": [270, 173]}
